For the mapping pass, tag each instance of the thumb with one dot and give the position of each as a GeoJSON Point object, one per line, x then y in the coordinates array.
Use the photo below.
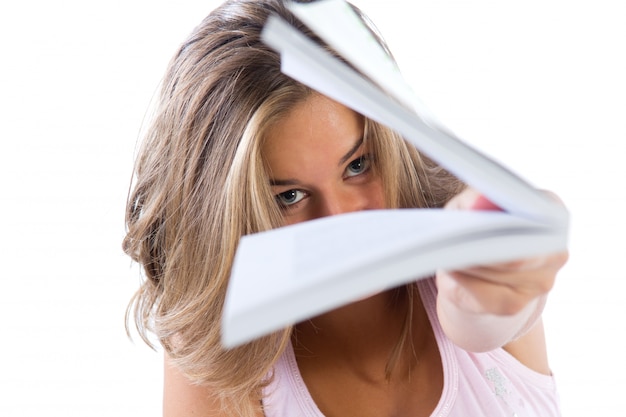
{"type": "Point", "coordinates": [482, 203]}
{"type": "Point", "coordinates": [470, 199]}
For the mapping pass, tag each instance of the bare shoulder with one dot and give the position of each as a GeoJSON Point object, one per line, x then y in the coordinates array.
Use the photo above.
{"type": "Point", "coordinates": [182, 398]}
{"type": "Point", "coordinates": [531, 350]}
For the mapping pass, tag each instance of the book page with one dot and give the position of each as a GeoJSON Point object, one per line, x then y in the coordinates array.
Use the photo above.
{"type": "Point", "coordinates": [282, 276]}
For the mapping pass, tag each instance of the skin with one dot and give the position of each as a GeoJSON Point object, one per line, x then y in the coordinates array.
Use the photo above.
{"type": "Point", "coordinates": [319, 167]}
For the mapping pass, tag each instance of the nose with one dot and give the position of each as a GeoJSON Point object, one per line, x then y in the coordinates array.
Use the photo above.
{"type": "Point", "coordinates": [341, 201]}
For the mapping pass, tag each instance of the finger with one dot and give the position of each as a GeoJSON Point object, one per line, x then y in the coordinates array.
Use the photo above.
{"type": "Point", "coordinates": [534, 283]}
{"type": "Point", "coordinates": [471, 199]}
{"type": "Point", "coordinates": [551, 262]}
{"type": "Point", "coordinates": [463, 200]}
{"type": "Point", "coordinates": [482, 203]}
{"type": "Point", "coordinates": [481, 296]}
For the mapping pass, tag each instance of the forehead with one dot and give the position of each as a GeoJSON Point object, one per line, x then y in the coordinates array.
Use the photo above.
{"type": "Point", "coordinates": [316, 128]}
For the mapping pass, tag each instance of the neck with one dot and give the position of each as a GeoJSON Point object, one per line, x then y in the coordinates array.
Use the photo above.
{"type": "Point", "coordinates": [365, 335]}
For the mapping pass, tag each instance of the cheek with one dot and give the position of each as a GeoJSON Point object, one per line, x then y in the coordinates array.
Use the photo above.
{"type": "Point", "coordinates": [289, 220]}
{"type": "Point", "coordinates": [376, 195]}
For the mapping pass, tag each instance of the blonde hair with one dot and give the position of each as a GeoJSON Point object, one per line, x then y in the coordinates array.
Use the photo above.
{"type": "Point", "coordinates": [201, 184]}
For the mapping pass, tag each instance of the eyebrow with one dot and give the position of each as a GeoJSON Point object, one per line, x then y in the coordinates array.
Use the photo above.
{"type": "Point", "coordinates": [343, 160]}
{"type": "Point", "coordinates": [280, 183]}
{"type": "Point", "coordinates": [351, 152]}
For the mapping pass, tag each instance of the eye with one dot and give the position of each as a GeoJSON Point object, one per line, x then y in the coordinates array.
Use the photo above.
{"type": "Point", "coordinates": [290, 197]}
{"type": "Point", "coordinates": [358, 166]}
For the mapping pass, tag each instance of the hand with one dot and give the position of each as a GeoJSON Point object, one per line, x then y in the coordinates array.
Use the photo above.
{"type": "Point", "coordinates": [499, 289]}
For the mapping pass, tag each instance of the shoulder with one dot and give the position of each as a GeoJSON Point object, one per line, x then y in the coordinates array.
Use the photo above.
{"type": "Point", "coordinates": [182, 397]}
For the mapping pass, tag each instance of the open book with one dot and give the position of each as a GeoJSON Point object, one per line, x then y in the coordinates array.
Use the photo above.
{"type": "Point", "coordinates": [284, 276]}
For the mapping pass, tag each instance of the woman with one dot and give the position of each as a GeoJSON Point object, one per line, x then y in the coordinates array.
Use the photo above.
{"type": "Point", "coordinates": [236, 147]}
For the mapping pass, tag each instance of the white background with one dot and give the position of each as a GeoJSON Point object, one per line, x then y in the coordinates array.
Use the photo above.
{"type": "Point", "coordinates": [538, 84]}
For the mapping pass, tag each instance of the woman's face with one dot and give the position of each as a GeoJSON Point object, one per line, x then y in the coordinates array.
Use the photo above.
{"type": "Point", "coordinates": [318, 164]}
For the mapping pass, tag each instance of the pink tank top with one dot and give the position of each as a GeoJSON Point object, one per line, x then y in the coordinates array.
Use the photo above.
{"type": "Point", "coordinates": [475, 384]}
